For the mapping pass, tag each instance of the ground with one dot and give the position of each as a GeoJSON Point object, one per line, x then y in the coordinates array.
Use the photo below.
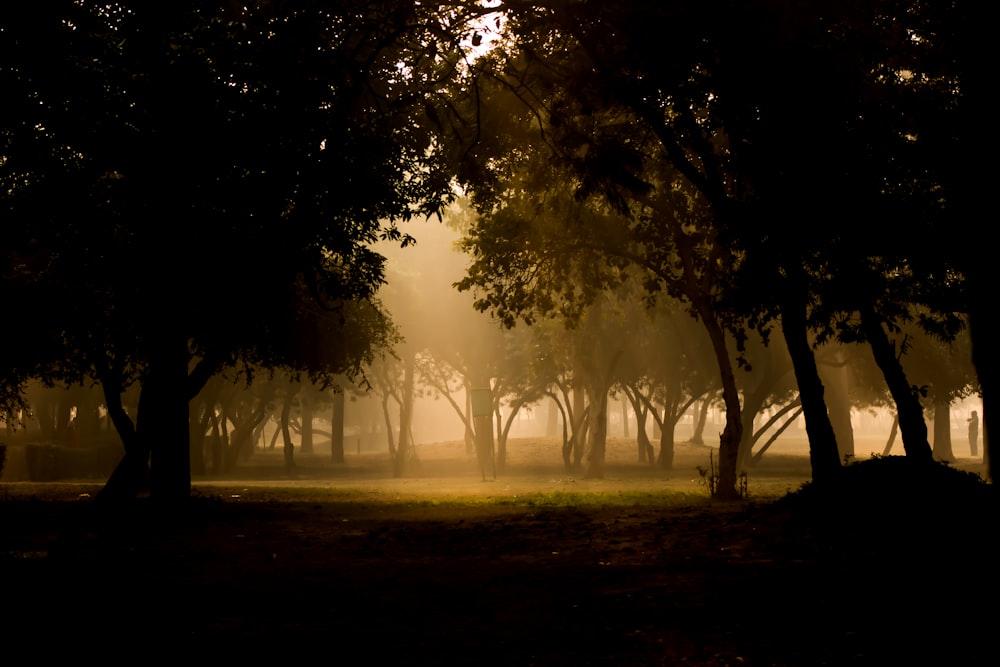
{"type": "Point", "coordinates": [536, 566]}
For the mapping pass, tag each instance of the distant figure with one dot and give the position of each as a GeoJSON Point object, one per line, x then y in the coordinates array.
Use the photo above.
{"type": "Point", "coordinates": [974, 433]}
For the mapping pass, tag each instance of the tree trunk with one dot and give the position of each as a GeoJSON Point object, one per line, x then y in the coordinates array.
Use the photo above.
{"type": "Point", "coordinates": [753, 403]}
{"type": "Point", "coordinates": [470, 430]}
{"type": "Point", "coordinates": [795, 405]}
{"type": "Point", "coordinates": [666, 456]}
{"type": "Point", "coordinates": [565, 430]}
{"type": "Point", "coordinates": [824, 456]}
{"type": "Point", "coordinates": [286, 436]}
{"type": "Point", "coordinates": [698, 437]}
{"type": "Point", "coordinates": [202, 417]}
{"type": "Point", "coordinates": [216, 445]}
{"type": "Point", "coordinates": [892, 435]}
{"type": "Point", "coordinates": [388, 428]}
{"type": "Point", "coordinates": [835, 379]}
{"type": "Point", "coordinates": [405, 419]}
{"type": "Point", "coordinates": [578, 435]}
{"type": "Point", "coordinates": [131, 476]}
{"type": "Point", "coordinates": [504, 434]}
{"type": "Point", "coordinates": [598, 433]}
{"type": "Point", "coordinates": [306, 411]}
{"type": "Point", "coordinates": [337, 427]}
{"type": "Point", "coordinates": [646, 453]}
{"type": "Point", "coordinates": [942, 450]}
{"type": "Point", "coordinates": [911, 413]}
{"type": "Point", "coordinates": [162, 420]}
{"type": "Point", "coordinates": [625, 429]}
{"type": "Point", "coordinates": [552, 419]}
{"type": "Point", "coordinates": [729, 440]}
{"type": "Point", "coordinates": [198, 422]}
{"type": "Point", "coordinates": [645, 448]}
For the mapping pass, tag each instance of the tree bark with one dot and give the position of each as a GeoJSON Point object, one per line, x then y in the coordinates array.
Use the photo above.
{"type": "Point", "coordinates": [729, 440]}
{"type": "Point", "coordinates": [625, 428]}
{"type": "Point", "coordinates": [824, 456]}
{"type": "Point", "coordinates": [578, 432]}
{"type": "Point", "coordinates": [665, 459]}
{"type": "Point", "coordinates": [645, 448]}
{"type": "Point", "coordinates": [388, 428]}
{"type": "Point", "coordinates": [598, 433]}
{"type": "Point", "coordinates": [795, 405]}
{"type": "Point", "coordinates": [405, 419]}
{"type": "Point", "coordinates": [942, 449]}
{"type": "Point", "coordinates": [698, 437]}
{"type": "Point", "coordinates": [835, 379]}
{"type": "Point", "coordinates": [286, 436]}
{"type": "Point", "coordinates": [911, 414]}
{"type": "Point", "coordinates": [892, 435]}
{"type": "Point", "coordinates": [470, 430]}
{"type": "Point", "coordinates": [337, 427]}
{"type": "Point", "coordinates": [306, 411]}
{"type": "Point", "coordinates": [131, 476]}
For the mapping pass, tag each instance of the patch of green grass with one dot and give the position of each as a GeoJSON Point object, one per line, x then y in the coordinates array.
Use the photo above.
{"type": "Point", "coordinates": [593, 499]}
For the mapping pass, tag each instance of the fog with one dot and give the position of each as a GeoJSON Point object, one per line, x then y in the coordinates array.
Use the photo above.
{"type": "Point", "coordinates": [447, 337]}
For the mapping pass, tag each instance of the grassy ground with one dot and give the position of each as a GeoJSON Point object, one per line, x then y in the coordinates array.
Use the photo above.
{"type": "Point", "coordinates": [534, 567]}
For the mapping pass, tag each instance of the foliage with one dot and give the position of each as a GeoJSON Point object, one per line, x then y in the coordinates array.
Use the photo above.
{"type": "Point", "coordinates": [167, 170]}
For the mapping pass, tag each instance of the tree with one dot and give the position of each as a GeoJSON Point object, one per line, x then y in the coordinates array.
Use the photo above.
{"type": "Point", "coordinates": [138, 139]}
{"type": "Point", "coordinates": [559, 226]}
{"type": "Point", "coordinates": [665, 369]}
{"type": "Point", "coordinates": [817, 143]}
{"type": "Point", "coordinates": [943, 370]}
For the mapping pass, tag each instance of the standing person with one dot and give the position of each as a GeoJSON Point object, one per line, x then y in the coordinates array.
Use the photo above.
{"type": "Point", "coordinates": [973, 432]}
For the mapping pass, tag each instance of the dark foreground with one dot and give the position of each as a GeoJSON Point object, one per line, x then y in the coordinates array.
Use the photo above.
{"type": "Point", "coordinates": [895, 576]}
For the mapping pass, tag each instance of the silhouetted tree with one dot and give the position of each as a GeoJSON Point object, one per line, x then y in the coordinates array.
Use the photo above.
{"type": "Point", "coordinates": [137, 139]}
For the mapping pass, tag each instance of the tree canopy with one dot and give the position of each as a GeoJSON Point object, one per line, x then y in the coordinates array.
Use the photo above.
{"type": "Point", "coordinates": [166, 169]}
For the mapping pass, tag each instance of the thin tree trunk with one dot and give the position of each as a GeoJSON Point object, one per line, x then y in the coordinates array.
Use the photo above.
{"type": "Point", "coordinates": [470, 431]}
{"type": "Point", "coordinates": [131, 476]}
{"type": "Point", "coordinates": [625, 428]}
{"type": "Point", "coordinates": [388, 428]}
{"type": "Point", "coordinates": [781, 429]}
{"type": "Point", "coordinates": [776, 417]}
{"type": "Point", "coordinates": [892, 435]}
{"type": "Point", "coordinates": [729, 440]}
{"type": "Point", "coordinates": [838, 401]}
{"type": "Point", "coordinates": [698, 437]}
{"type": "Point", "coordinates": [405, 419]}
{"type": "Point", "coordinates": [286, 436]}
{"type": "Point", "coordinates": [306, 410]}
{"type": "Point", "coordinates": [667, 443]}
{"type": "Point", "coordinates": [942, 450]}
{"type": "Point", "coordinates": [581, 421]}
{"type": "Point", "coordinates": [337, 427]}
{"type": "Point", "coordinates": [645, 448]}
{"type": "Point", "coordinates": [216, 444]}
{"type": "Point", "coordinates": [565, 430]}
{"type": "Point", "coordinates": [911, 414]}
{"type": "Point", "coordinates": [824, 455]}
{"type": "Point", "coordinates": [598, 434]}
